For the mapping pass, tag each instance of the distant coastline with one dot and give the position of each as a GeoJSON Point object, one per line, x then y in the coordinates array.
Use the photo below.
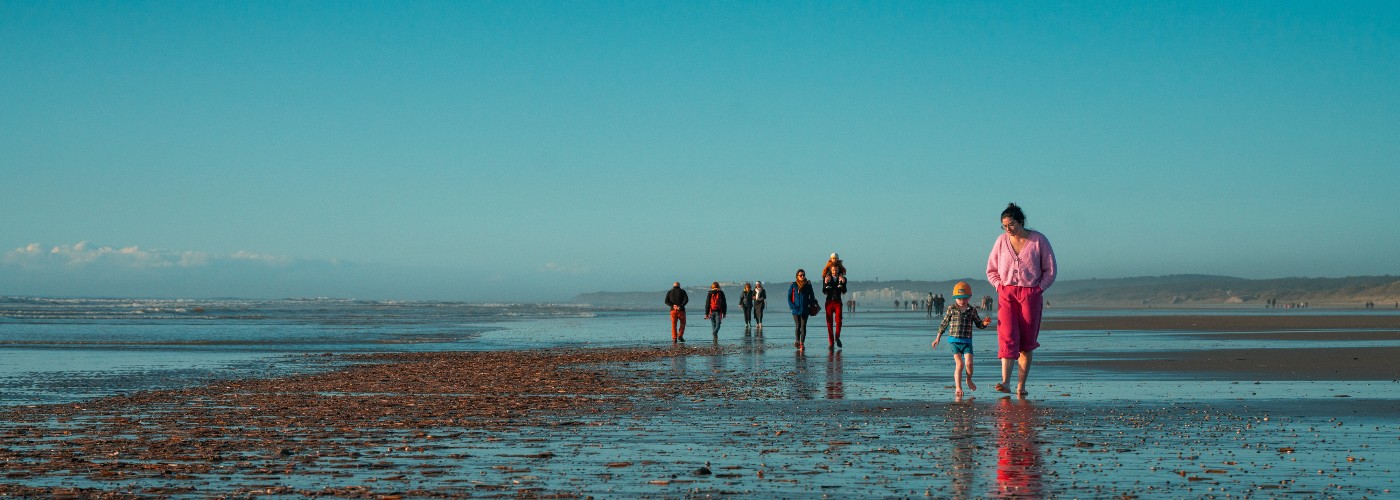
{"type": "Point", "coordinates": [1182, 290]}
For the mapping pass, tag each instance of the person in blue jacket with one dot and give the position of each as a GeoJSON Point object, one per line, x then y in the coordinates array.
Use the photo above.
{"type": "Point", "coordinates": [801, 301]}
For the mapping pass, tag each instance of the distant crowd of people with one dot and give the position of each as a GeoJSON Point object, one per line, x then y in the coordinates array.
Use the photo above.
{"type": "Point", "coordinates": [1021, 266]}
{"type": "Point", "coordinates": [1289, 305]}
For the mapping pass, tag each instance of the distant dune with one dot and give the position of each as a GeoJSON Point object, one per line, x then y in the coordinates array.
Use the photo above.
{"type": "Point", "coordinates": [1183, 290]}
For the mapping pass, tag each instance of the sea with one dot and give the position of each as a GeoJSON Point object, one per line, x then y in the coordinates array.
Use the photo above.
{"type": "Point", "coordinates": [55, 350]}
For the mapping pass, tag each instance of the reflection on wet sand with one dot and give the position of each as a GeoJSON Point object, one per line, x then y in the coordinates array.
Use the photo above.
{"type": "Point", "coordinates": [803, 386]}
{"type": "Point", "coordinates": [678, 366]}
{"type": "Point", "coordinates": [835, 389]}
{"type": "Point", "coordinates": [717, 359]}
{"type": "Point", "coordinates": [1019, 465]}
{"type": "Point", "coordinates": [962, 422]}
{"type": "Point", "coordinates": [753, 348]}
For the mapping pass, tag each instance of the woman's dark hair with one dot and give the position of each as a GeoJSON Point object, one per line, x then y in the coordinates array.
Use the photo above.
{"type": "Point", "coordinates": [1015, 213]}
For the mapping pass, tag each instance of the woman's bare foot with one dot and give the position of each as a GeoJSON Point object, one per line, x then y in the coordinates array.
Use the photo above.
{"type": "Point", "coordinates": [1000, 387]}
{"type": "Point", "coordinates": [1021, 391]}
{"type": "Point", "coordinates": [958, 393]}
{"type": "Point", "coordinates": [971, 386]}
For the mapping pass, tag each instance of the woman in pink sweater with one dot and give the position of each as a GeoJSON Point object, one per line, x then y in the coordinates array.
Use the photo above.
{"type": "Point", "coordinates": [1021, 267]}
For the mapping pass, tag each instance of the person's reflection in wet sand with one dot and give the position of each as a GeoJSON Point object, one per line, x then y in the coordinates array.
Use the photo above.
{"type": "Point", "coordinates": [803, 387]}
{"type": "Point", "coordinates": [962, 422]}
{"type": "Point", "coordinates": [1018, 455]}
{"type": "Point", "coordinates": [717, 361]}
{"type": "Point", "coordinates": [835, 389]}
{"type": "Point", "coordinates": [678, 366]}
{"type": "Point", "coordinates": [752, 352]}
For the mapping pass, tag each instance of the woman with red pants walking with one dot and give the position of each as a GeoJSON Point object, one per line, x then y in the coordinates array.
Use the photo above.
{"type": "Point", "coordinates": [1021, 266]}
{"type": "Point", "coordinates": [833, 285]}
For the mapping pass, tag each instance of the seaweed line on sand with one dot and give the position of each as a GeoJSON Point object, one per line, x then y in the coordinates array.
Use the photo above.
{"type": "Point", "coordinates": [308, 424]}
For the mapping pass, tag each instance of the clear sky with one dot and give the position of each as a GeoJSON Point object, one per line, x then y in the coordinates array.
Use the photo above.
{"type": "Point", "coordinates": [536, 150]}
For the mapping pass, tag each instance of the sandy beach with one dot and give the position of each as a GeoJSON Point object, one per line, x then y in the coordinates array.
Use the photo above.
{"type": "Point", "coordinates": [748, 416]}
{"type": "Point", "coordinates": [1281, 361]}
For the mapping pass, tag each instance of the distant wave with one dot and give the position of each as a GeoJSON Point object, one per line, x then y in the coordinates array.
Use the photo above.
{"type": "Point", "coordinates": [295, 310]}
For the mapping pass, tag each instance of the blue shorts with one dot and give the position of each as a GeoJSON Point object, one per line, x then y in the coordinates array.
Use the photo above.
{"type": "Point", "coordinates": [961, 347]}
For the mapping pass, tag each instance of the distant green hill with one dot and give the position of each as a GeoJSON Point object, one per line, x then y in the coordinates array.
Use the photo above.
{"type": "Point", "coordinates": [1182, 290]}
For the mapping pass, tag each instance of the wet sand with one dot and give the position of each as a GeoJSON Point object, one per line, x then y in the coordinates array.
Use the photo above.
{"type": "Point", "coordinates": [1286, 321]}
{"type": "Point", "coordinates": [1278, 362]}
{"type": "Point", "coordinates": [748, 418]}
{"type": "Point", "coordinates": [316, 424]}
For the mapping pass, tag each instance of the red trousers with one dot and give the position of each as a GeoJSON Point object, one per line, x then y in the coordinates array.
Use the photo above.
{"type": "Point", "coordinates": [677, 317]}
{"type": "Point", "coordinates": [1018, 320]}
{"type": "Point", "coordinates": [833, 321]}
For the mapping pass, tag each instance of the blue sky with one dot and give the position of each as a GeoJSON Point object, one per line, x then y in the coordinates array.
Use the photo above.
{"type": "Point", "coordinates": [535, 150]}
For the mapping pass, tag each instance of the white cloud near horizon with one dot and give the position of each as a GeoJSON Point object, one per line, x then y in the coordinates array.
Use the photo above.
{"type": "Point", "coordinates": [83, 254]}
{"type": "Point", "coordinates": [555, 267]}
{"type": "Point", "coordinates": [85, 269]}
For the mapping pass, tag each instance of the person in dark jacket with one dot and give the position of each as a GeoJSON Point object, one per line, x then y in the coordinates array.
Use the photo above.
{"type": "Point", "coordinates": [800, 299]}
{"type": "Point", "coordinates": [746, 303]}
{"type": "Point", "coordinates": [760, 299]}
{"type": "Point", "coordinates": [677, 299]}
{"type": "Point", "coordinates": [715, 307]}
{"type": "Point", "coordinates": [833, 285]}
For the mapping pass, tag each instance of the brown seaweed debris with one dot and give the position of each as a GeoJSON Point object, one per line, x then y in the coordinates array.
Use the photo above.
{"type": "Point", "coordinates": [312, 424]}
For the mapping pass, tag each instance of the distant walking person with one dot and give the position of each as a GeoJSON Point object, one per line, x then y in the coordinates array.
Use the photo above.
{"type": "Point", "coordinates": [715, 307]}
{"type": "Point", "coordinates": [1021, 266]}
{"type": "Point", "coordinates": [802, 302]}
{"type": "Point", "coordinates": [760, 299]}
{"type": "Point", "coordinates": [833, 285]}
{"type": "Point", "coordinates": [928, 305]}
{"type": "Point", "coordinates": [746, 303]}
{"type": "Point", "coordinates": [677, 299]}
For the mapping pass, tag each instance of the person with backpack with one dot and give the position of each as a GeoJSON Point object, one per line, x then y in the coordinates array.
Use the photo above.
{"type": "Point", "coordinates": [715, 307]}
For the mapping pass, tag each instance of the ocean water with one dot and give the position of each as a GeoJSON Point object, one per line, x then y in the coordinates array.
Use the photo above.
{"type": "Point", "coordinates": [60, 350]}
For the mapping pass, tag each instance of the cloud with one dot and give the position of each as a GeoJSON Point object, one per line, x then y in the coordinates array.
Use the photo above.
{"type": "Point", "coordinates": [554, 267]}
{"type": "Point", "coordinates": [36, 256]}
{"type": "Point", "coordinates": [84, 269]}
{"type": "Point", "coordinates": [272, 260]}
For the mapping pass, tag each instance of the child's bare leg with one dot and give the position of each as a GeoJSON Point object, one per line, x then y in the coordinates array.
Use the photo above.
{"type": "Point", "coordinates": [957, 374]}
{"type": "Point", "coordinates": [967, 362]}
